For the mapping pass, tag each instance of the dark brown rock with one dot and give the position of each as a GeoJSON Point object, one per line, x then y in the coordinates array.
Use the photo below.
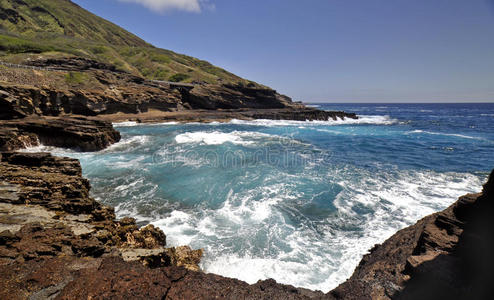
{"type": "Point", "coordinates": [71, 64]}
{"type": "Point", "coordinates": [116, 279]}
{"type": "Point", "coordinates": [107, 93]}
{"type": "Point", "coordinates": [56, 207]}
{"type": "Point", "coordinates": [234, 97]}
{"type": "Point", "coordinates": [68, 132]}
{"type": "Point", "coordinates": [11, 139]}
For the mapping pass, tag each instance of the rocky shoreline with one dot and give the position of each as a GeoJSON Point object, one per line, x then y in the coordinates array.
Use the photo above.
{"type": "Point", "coordinates": [56, 242]}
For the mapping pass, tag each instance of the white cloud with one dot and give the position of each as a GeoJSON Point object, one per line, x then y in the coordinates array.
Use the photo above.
{"type": "Point", "coordinates": [167, 5]}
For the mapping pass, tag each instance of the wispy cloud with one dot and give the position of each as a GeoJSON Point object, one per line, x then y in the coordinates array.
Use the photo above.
{"type": "Point", "coordinates": [168, 5]}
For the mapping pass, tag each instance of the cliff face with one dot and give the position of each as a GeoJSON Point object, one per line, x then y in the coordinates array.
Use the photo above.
{"type": "Point", "coordinates": [84, 87]}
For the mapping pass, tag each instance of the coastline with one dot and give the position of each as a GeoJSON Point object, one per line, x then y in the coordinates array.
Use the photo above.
{"type": "Point", "coordinates": [128, 171]}
{"type": "Point", "coordinates": [61, 230]}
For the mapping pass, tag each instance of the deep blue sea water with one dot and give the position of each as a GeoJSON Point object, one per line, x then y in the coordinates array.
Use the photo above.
{"type": "Point", "coordinates": [300, 202]}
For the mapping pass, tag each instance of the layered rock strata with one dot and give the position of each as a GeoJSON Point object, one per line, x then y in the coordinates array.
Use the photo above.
{"type": "Point", "coordinates": [78, 86]}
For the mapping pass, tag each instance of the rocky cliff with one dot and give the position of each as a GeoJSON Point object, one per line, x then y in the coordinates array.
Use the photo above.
{"type": "Point", "coordinates": [56, 242]}
{"type": "Point", "coordinates": [76, 86]}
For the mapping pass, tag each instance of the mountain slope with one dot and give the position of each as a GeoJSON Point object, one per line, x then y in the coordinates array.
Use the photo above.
{"type": "Point", "coordinates": [33, 29]}
{"type": "Point", "coordinates": [30, 17]}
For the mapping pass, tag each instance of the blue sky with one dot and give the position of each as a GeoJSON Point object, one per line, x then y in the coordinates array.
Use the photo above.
{"type": "Point", "coordinates": [329, 50]}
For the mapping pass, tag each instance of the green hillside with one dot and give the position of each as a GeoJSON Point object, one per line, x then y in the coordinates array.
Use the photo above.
{"type": "Point", "coordinates": [33, 29]}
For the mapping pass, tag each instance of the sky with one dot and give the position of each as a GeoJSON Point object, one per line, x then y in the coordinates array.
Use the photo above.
{"type": "Point", "coordinates": [329, 50]}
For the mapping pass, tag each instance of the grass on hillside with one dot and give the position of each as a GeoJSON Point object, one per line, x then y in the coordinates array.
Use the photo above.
{"type": "Point", "coordinates": [149, 62]}
{"type": "Point", "coordinates": [75, 78]}
{"type": "Point", "coordinates": [34, 29]}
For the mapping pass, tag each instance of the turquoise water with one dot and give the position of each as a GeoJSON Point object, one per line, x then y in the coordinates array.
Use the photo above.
{"type": "Point", "coordinates": [300, 202]}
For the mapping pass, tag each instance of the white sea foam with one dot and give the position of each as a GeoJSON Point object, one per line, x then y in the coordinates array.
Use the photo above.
{"type": "Point", "coordinates": [394, 203]}
{"type": "Point", "coordinates": [125, 144]}
{"type": "Point", "coordinates": [217, 137]}
{"type": "Point", "coordinates": [316, 259]}
{"type": "Point", "coordinates": [128, 143]}
{"type": "Point", "coordinates": [364, 119]}
{"type": "Point", "coordinates": [178, 227]}
{"type": "Point", "coordinates": [42, 148]}
{"type": "Point", "coordinates": [125, 124]}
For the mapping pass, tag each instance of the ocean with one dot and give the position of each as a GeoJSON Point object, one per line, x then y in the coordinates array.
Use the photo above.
{"type": "Point", "coordinates": [300, 202]}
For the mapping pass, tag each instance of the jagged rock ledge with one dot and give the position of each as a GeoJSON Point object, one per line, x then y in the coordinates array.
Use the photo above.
{"type": "Point", "coordinates": [46, 214]}
{"type": "Point", "coordinates": [226, 115]}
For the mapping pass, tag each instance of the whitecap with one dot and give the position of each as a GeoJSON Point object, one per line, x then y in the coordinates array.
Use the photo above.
{"type": "Point", "coordinates": [178, 228]}
{"type": "Point", "coordinates": [125, 124]}
{"type": "Point", "coordinates": [319, 259]}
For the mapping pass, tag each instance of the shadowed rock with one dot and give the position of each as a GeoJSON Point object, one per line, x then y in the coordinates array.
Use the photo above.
{"type": "Point", "coordinates": [447, 255]}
